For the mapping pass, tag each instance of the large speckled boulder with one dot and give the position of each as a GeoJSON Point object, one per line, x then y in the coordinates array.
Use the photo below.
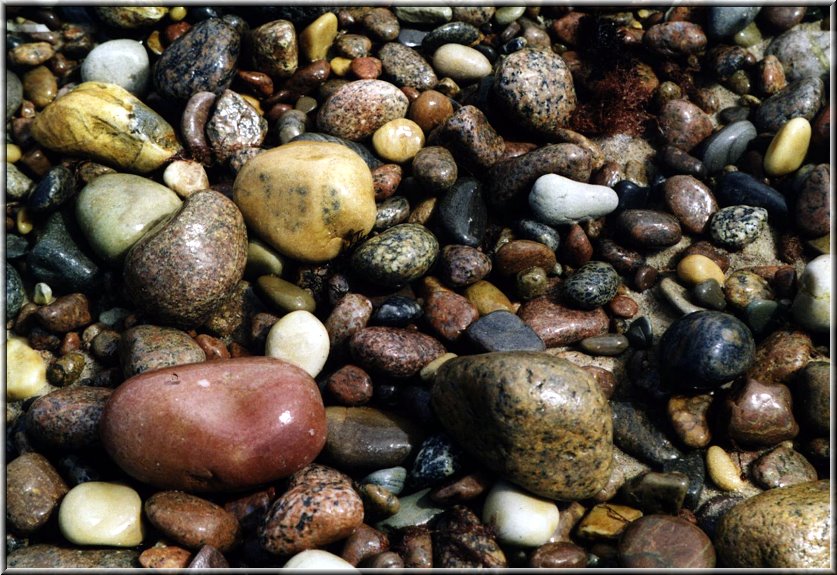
{"type": "Point", "coordinates": [538, 420]}
{"type": "Point", "coordinates": [784, 528]}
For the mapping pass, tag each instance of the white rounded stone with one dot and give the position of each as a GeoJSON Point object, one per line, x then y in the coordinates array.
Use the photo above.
{"type": "Point", "coordinates": [301, 339]}
{"type": "Point", "coordinates": [518, 517]}
{"type": "Point", "coordinates": [185, 177]}
{"type": "Point", "coordinates": [508, 14]}
{"type": "Point", "coordinates": [100, 513]}
{"type": "Point", "coordinates": [462, 63]}
{"type": "Point", "coordinates": [121, 62]}
{"type": "Point", "coordinates": [812, 305]}
{"type": "Point", "coordinates": [25, 370]}
{"type": "Point", "coordinates": [556, 200]}
{"type": "Point", "coordinates": [115, 210]}
{"type": "Point", "coordinates": [317, 559]}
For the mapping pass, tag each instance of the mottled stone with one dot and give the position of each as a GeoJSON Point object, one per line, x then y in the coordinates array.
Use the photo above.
{"type": "Point", "coordinates": [813, 399]}
{"type": "Point", "coordinates": [782, 467]}
{"type": "Point", "coordinates": [368, 438]}
{"type": "Point", "coordinates": [435, 168]}
{"type": "Point", "coordinates": [14, 93]}
{"type": "Point", "coordinates": [192, 521]}
{"type": "Point", "coordinates": [744, 287]}
{"type": "Point", "coordinates": [803, 53]}
{"type": "Point", "coordinates": [725, 21]}
{"type": "Point", "coordinates": [691, 201]}
{"type": "Point", "coordinates": [359, 108]}
{"type": "Point", "coordinates": [397, 311]}
{"type": "Point", "coordinates": [813, 300]}
{"type": "Point", "coordinates": [33, 491]}
{"type": "Point", "coordinates": [655, 492]}
{"type": "Point", "coordinates": [449, 314]}
{"type": "Point", "coordinates": [67, 418]}
{"type": "Point", "coordinates": [802, 98]}
{"type": "Point", "coordinates": [812, 211]}
{"type": "Point", "coordinates": [592, 285]}
{"type": "Point", "coordinates": [689, 419]}
{"type": "Point", "coordinates": [274, 48]}
{"type": "Point", "coordinates": [675, 38]}
{"type": "Point", "coordinates": [665, 542]}
{"type": "Point", "coordinates": [734, 227]}
{"type": "Point", "coordinates": [458, 32]}
{"type": "Point", "coordinates": [148, 347]}
{"type": "Point", "coordinates": [57, 259]}
{"type": "Point", "coordinates": [683, 124]}
{"type": "Point", "coordinates": [393, 351]}
{"type": "Point", "coordinates": [557, 325]}
{"type": "Point", "coordinates": [491, 405]}
{"type": "Point", "coordinates": [470, 138]}
{"type": "Point", "coordinates": [760, 415]}
{"type": "Point", "coordinates": [46, 556]}
{"type": "Point", "coordinates": [406, 67]}
{"type": "Point", "coordinates": [234, 126]}
{"type": "Point", "coordinates": [397, 256]}
{"type": "Point", "coordinates": [461, 541]}
{"type": "Point", "coordinates": [727, 145]}
{"type": "Point", "coordinates": [636, 433]}
{"type": "Point", "coordinates": [649, 228]}
{"type": "Point", "coordinates": [463, 265]}
{"type": "Point", "coordinates": [131, 17]}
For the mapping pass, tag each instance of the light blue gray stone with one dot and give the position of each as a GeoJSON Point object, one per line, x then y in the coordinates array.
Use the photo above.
{"type": "Point", "coordinates": [803, 53]}
{"type": "Point", "coordinates": [391, 479]}
{"type": "Point", "coordinates": [122, 62]}
{"type": "Point", "coordinates": [726, 21]}
{"type": "Point", "coordinates": [14, 93]}
{"type": "Point", "coordinates": [556, 200]}
{"type": "Point", "coordinates": [727, 145]}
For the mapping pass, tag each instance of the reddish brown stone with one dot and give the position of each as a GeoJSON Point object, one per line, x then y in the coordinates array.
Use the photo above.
{"type": "Point", "coordinates": [760, 414]}
{"type": "Point", "coordinates": [168, 557]}
{"type": "Point", "coordinates": [561, 555]}
{"type": "Point", "coordinates": [250, 509]}
{"type": "Point", "coordinates": [665, 542]}
{"type": "Point", "coordinates": [604, 377]}
{"type": "Point", "coordinates": [394, 351]}
{"type": "Point", "coordinates": [623, 306]}
{"type": "Point", "coordinates": [557, 325]}
{"type": "Point", "coordinates": [366, 68]}
{"type": "Point", "coordinates": [65, 314]}
{"type": "Point", "coordinates": [691, 201]}
{"type": "Point", "coordinates": [462, 489]}
{"type": "Point", "coordinates": [385, 180]}
{"type": "Point", "coordinates": [33, 490]}
{"type": "Point", "coordinates": [576, 249]}
{"type": "Point", "coordinates": [348, 317]}
{"type": "Point", "coordinates": [350, 386]}
{"type": "Point", "coordinates": [781, 356]}
{"type": "Point", "coordinates": [364, 543]}
{"type": "Point", "coordinates": [67, 418]}
{"type": "Point", "coordinates": [683, 124]}
{"type": "Point", "coordinates": [519, 255]}
{"type": "Point", "coordinates": [192, 521]}
{"type": "Point", "coordinates": [213, 347]}
{"type": "Point", "coordinates": [430, 110]}
{"type": "Point", "coordinates": [449, 314]}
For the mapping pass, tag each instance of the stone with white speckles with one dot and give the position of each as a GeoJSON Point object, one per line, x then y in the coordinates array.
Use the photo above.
{"type": "Point", "coordinates": [398, 256]}
{"type": "Point", "coordinates": [736, 226]}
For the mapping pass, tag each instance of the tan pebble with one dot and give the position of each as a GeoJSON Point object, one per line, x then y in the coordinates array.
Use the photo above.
{"type": "Point", "coordinates": [486, 297]}
{"type": "Point", "coordinates": [25, 370]}
{"type": "Point", "coordinates": [340, 66]}
{"type": "Point", "coordinates": [696, 268]}
{"type": "Point", "coordinates": [12, 153]}
{"type": "Point", "coordinates": [318, 37]}
{"type": "Point", "coordinates": [461, 63]}
{"type": "Point", "coordinates": [398, 140]}
{"type": "Point", "coordinates": [429, 371]}
{"type": "Point", "coordinates": [788, 148]}
{"type": "Point", "coordinates": [722, 469]}
{"type": "Point", "coordinates": [185, 177]}
{"type": "Point", "coordinates": [607, 521]}
{"type": "Point", "coordinates": [24, 221]}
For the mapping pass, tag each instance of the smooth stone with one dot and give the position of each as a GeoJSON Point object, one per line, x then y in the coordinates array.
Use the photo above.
{"type": "Point", "coordinates": [759, 415]}
{"type": "Point", "coordinates": [591, 286]}
{"type": "Point", "coordinates": [734, 227]}
{"type": "Point", "coordinates": [262, 260]}
{"type": "Point", "coordinates": [607, 345]}
{"type": "Point", "coordinates": [122, 62]}
{"type": "Point", "coordinates": [350, 315]}
{"type": "Point", "coordinates": [727, 145]}
{"type": "Point", "coordinates": [738, 188]}
{"type": "Point", "coordinates": [316, 39]}
{"type": "Point", "coordinates": [710, 294]}
{"type": "Point", "coordinates": [678, 296]}
{"type": "Point", "coordinates": [691, 201]}
{"type": "Point", "coordinates": [406, 67]}
{"type": "Point", "coordinates": [398, 140]}
{"type": "Point", "coordinates": [359, 108]}
{"type": "Point", "coordinates": [812, 211]}
{"type": "Point", "coordinates": [637, 434]}
{"type": "Point", "coordinates": [368, 438]}
{"type": "Point", "coordinates": [462, 266]}
{"type": "Point", "coordinates": [234, 126]}
{"type": "Point", "coordinates": [67, 418]}
{"type": "Point", "coordinates": [519, 255]}
{"type": "Point", "coordinates": [437, 459]}
{"type": "Point", "coordinates": [46, 556]}
{"type": "Point", "coordinates": [456, 32]}
{"type": "Point", "coordinates": [493, 399]}
{"type": "Point", "coordinates": [99, 513]}
{"type": "Point", "coordinates": [449, 314]}
{"type": "Point", "coordinates": [435, 168]}
{"type": "Point", "coordinates": [201, 60]}
{"type": "Point", "coordinates": [423, 14]}
{"type": "Point", "coordinates": [502, 330]}
{"type": "Point", "coordinates": [318, 560]}
{"type": "Point", "coordinates": [695, 269]}
{"type": "Point", "coordinates": [148, 347]}
{"type": "Point", "coordinates": [788, 148]}
{"type": "Point", "coordinates": [649, 228]}
{"type": "Point", "coordinates": [25, 370]}
{"type": "Point", "coordinates": [665, 542]}
{"type": "Point", "coordinates": [693, 467]}
{"type": "Point", "coordinates": [286, 296]}
{"type": "Point", "coordinates": [191, 521]}
{"type": "Point", "coordinates": [308, 200]}
{"type": "Point", "coordinates": [397, 256]}
{"type": "Point", "coordinates": [486, 297]}
{"type": "Point", "coordinates": [461, 63]}
{"type": "Point", "coordinates": [33, 490]}
{"type": "Point", "coordinates": [275, 49]}
{"type": "Point", "coordinates": [675, 38]}
{"type": "Point", "coordinates": [416, 509]}
{"type": "Point", "coordinates": [56, 187]}
{"type": "Point", "coordinates": [557, 325]}
{"type": "Point", "coordinates": [656, 492]}
{"type": "Point", "coordinates": [539, 232]}
{"type": "Point", "coordinates": [813, 397]}
{"type": "Point", "coordinates": [640, 333]}
{"type": "Point", "coordinates": [40, 86]}
{"type": "Point", "coordinates": [16, 246]}
{"type": "Point", "coordinates": [392, 479]}
{"type": "Point", "coordinates": [556, 200]}
{"type": "Point", "coordinates": [683, 124]}
{"type": "Point", "coordinates": [396, 311]}
{"type": "Point", "coordinates": [606, 521]}
{"type": "Point", "coordinates": [430, 110]}
{"type": "Point", "coordinates": [469, 136]}
{"type": "Point", "coordinates": [14, 93]}
{"type": "Point", "coordinates": [559, 555]}
{"type": "Point", "coordinates": [743, 287]}
{"type": "Point", "coordinates": [18, 184]}
{"type": "Point", "coordinates": [15, 293]}
{"type": "Point", "coordinates": [300, 339]}
{"type": "Point", "coordinates": [462, 213]}
{"type": "Point", "coordinates": [631, 196]}
{"type": "Point", "coordinates": [763, 316]}
{"type": "Point", "coordinates": [802, 98]}
{"type": "Point", "coordinates": [787, 528]}
{"type": "Point", "coordinates": [782, 467]}
{"type": "Point", "coordinates": [394, 351]}
{"type": "Point", "coordinates": [535, 89]}
{"type": "Point", "coordinates": [258, 419]}
{"type": "Point", "coordinates": [115, 211]}
{"type": "Point", "coordinates": [725, 21]}
{"type": "Point", "coordinates": [131, 17]}
{"type": "Point", "coordinates": [519, 518]}
{"type": "Point", "coordinates": [108, 124]}
{"type": "Point", "coordinates": [185, 177]}
{"type": "Point", "coordinates": [803, 53]}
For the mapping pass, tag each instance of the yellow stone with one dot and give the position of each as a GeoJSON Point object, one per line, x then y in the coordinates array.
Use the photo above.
{"type": "Point", "coordinates": [340, 66]}
{"type": "Point", "coordinates": [108, 124]}
{"type": "Point", "coordinates": [398, 140]}
{"type": "Point", "coordinates": [722, 469]}
{"type": "Point", "coordinates": [25, 370]}
{"type": "Point", "coordinates": [100, 513]}
{"type": "Point", "coordinates": [607, 521]}
{"type": "Point", "coordinates": [428, 372]}
{"type": "Point", "coordinates": [695, 268]}
{"type": "Point", "coordinates": [318, 37]}
{"type": "Point", "coordinates": [486, 297]}
{"type": "Point", "coordinates": [262, 260]}
{"type": "Point", "coordinates": [822, 245]}
{"type": "Point", "coordinates": [788, 148]}
{"type": "Point", "coordinates": [177, 13]}
{"type": "Point", "coordinates": [24, 221]}
{"type": "Point", "coordinates": [12, 153]}
{"type": "Point", "coordinates": [307, 200]}
{"type": "Point", "coordinates": [254, 103]}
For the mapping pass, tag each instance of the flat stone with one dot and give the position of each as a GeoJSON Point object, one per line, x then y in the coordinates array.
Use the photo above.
{"type": "Point", "coordinates": [655, 492]}
{"type": "Point", "coordinates": [503, 331]}
{"type": "Point", "coordinates": [519, 255]}
{"type": "Point", "coordinates": [557, 325]}
{"type": "Point", "coordinates": [449, 314]}
{"type": "Point", "coordinates": [192, 521]}
{"type": "Point", "coordinates": [457, 32]}
{"type": "Point", "coordinates": [691, 201]}
{"type": "Point", "coordinates": [649, 228]}
{"type": "Point", "coordinates": [462, 213]}
{"type": "Point", "coordinates": [416, 509]}
{"type": "Point", "coordinates": [45, 556]}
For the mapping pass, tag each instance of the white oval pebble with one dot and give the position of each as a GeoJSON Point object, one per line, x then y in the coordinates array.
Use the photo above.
{"type": "Point", "coordinates": [301, 339]}
{"type": "Point", "coordinates": [317, 559]}
{"type": "Point", "coordinates": [508, 14]}
{"type": "Point", "coordinates": [812, 305]}
{"type": "Point", "coordinates": [556, 200]}
{"type": "Point", "coordinates": [100, 513]}
{"type": "Point", "coordinates": [462, 63]}
{"type": "Point", "coordinates": [121, 62]}
{"type": "Point", "coordinates": [25, 370]}
{"type": "Point", "coordinates": [186, 177]}
{"type": "Point", "coordinates": [518, 517]}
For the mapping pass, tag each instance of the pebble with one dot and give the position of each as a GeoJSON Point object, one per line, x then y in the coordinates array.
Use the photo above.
{"type": "Point", "coordinates": [148, 347]}
{"type": "Point", "coordinates": [462, 213]}
{"type": "Point", "coordinates": [688, 417]}
{"type": "Point", "coordinates": [788, 148]}
{"type": "Point", "coordinates": [802, 98]}
{"type": "Point", "coordinates": [460, 540]}
{"type": "Point", "coordinates": [781, 357]}
{"type": "Point", "coordinates": [449, 314]}
{"type": "Point", "coordinates": [649, 228]}
{"type": "Point", "coordinates": [397, 256]}
{"type": "Point", "coordinates": [15, 293]}
{"type": "Point", "coordinates": [727, 145]}
{"type": "Point", "coordinates": [665, 542]}
{"type": "Point", "coordinates": [234, 126]}
{"type": "Point", "coordinates": [350, 315]}
{"type": "Point", "coordinates": [771, 77]}
{"type": "Point", "coordinates": [722, 470]}
{"type": "Point", "coordinates": [782, 467]}
{"type": "Point", "coordinates": [743, 287]}
{"type": "Point", "coordinates": [591, 286]}
{"type": "Point", "coordinates": [519, 255]}
{"type": "Point", "coordinates": [435, 169]}
{"type": "Point", "coordinates": [68, 418]}
{"type": "Point", "coordinates": [502, 330]}
{"type": "Point", "coordinates": [300, 339]}
{"type": "Point", "coordinates": [803, 53]}
{"type": "Point", "coordinates": [56, 187]}
{"type": "Point", "coordinates": [275, 49]}
{"type": "Point", "coordinates": [357, 109]}
{"type": "Point", "coordinates": [416, 509]}
{"type": "Point", "coordinates": [710, 294]}
{"type": "Point", "coordinates": [812, 302]}
{"type": "Point", "coordinates": [726, 21]}
{"type": "Point", "coordinates": [284, 295]}
{"type": "Point", "coordinates": [469, 136]}
{"type": "Point", "coordinates": [560, 555]}
{"type": "Point", "coordinates": [14, 93]}
{"type": "Point", "coordinates": [538, 232]}
{"type": "Point", "coordinates": [397, 311]}
{"type": "Point", "coordinates": [265, 421]}
{"type": "Point", "coordinates": [735, 227]}
{"type": "Point", "coordinates": [201, 60]}
{"type": "Point", "coordinates": [760, 415]}
{"type": "Point", "coordinates": [168, 557]}
{"type": "Point", "coordinates": [437, 459]}
{"type": "Point", "coordinates": [696, 269]}
{"type": "Point", "coordinates": [557, 325]}
{"type": "Point", "coordinates": [783, 528]}
{"type": "Point", "coordinates": [18, 184]}
{"type": "Point", "coordinates": [516, 420]}
{"type": "Point", "coordinates": [812, 405]}
{"type": "Point", "coordinates": [535, 89]}
{"type": "Point", "coordinates": [656, 492]}
{"type": "Point", "coordinates": [673, 39]}
{"type": "Point", "coordinates": [812, 211]}
{"type": "Point", "coordinates": [556, 200]}
{"type": "Point", "coordinates": [398, 140]}
{"type": "Point", "coordinates": [131, 17]}
{"type": "Point", "coordinates": [191, 521]}
{"type": "Point", "coordinates": [636, 433]}
{"type": "Point", "coordinates": [99, 513]}
{"type": "Point", "coordinates": [738, 188]}
{"type": "Point", "coordinates": [40, 86]}
{"type": "Point", "coordinates": [368, 438]}
{"type": "Point", "coordinates": [606, 521]}
{"type": "Point", "coordinates": [122, 62]}
{"type": "Point", "coordinates": [518, 517]}
{"type": "Point", "coordinates": [691, 201]}
{"type": "Point", "coordinates": [31, 53]}
{"type": "Point", "coordinates": [508, 14]}
{"type": "Point", "coordinates": [392, 479]}
{"type": "Point", "coordinates": [607, 345]}
{"type": "Point", "coordinates": [683, 124]}
{"type": "Point", "coordinates": [430, 110]}
{"type": "Point", "coordinates": [185, 177]}
{"type": "Point", "coordinates": [406, 67]}
{"type": "Point", "coordinates": [138, 140]}
{"type": "Point", "coordinates": [316, 39]}
{"type": "Point", "coordinates": [461, 63]}
{"type": "Point", "coordinates": [33, 491]}
{"type": "Point", "coordinates": [423, 14]}
{"type": "Point", "coordinates": [318, 560]}
{"type": "Point", "coordinates": [43, 555]}
{"type": "Point", "coordinates": [394, 351]}
{"type": "Point", "coordinates": [462, 265]}
{"type": "Point", "coordinates": [457, 32]}
{"type": "Point", "coordinates": [25, 370]}
{"type": "Point", "coordinates": [486, 297]}
{"type": "Point", "coordinates": [350, 386]}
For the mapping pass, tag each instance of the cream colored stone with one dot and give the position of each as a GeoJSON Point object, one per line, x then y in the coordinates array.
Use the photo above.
{"type": "Point", "coordinates": [518, 517]}
{"type": "Point", "coordinates": [318, 560]}
{"type": "Point", "coordinates": [812, 305]}
{"type": "Point", "coordinates": [788, 148]}
{"type": "Point", "coordinates": [696, 268]}
{"type": "Point", "coordinates": [318, 37]}
{"type": "Point", "coordinates": [301, 339]}
{"type": "Point", "coordinates": [185, 177]}
{"type": "Point", "coordinates": [398, 140]}
{"type": "Point", "coordinates": [461, 63]}
{"type": "Point", "coordinates": [100, 513]}
{"type": "Point", "coordinates": [25, 370]}
{"type": "Point", "coordinates": [722, 469]}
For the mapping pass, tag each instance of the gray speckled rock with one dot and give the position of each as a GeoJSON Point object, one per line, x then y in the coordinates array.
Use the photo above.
{"type": "Point", "coordinates": [727, 145]}
{"type": "Point", "coordinates": [394, 352]}
{"type": "Point", "coordinates": [15, 294]}
{"type": "Point", "coordinates": [470, 138]}
{"type": "Point", "coordinates": [535, 88]}
{"type": "Point", "coordinates": [18, 184]}
{"type": "Point", "coordinates": [423, 14]}
{"type": "Point", "coordinates": [406, 67]}
{"type": "Point", "coordinates": [397, 256]}
{"type": "Point", "coordinates": [201, 60]}
{"type": "Point", "coordinates": [592, 285]}
{"type": "Point", "coordinates": [437, 459]}
{"type": "Point", "coordinates": [538, 420]}
{"type": "Point", "coordinates": [802, 98]}
{"type": "Point", "coordinates": [56, 187]}
{"type": "Point", "coordinates": [451, 33]}
{"type": "Point", "coordinates": [736, 226]}
{"type": "Point", "coordinates": [14, 93]}
{"type": "Point", "coordinates": [359, 108]}
{"type": "Point", "coordinates": [67, 419]}
{"type": "Point", "coordinates": [725, 21]}
{"type": "Point", "coordinates": [784, 528]}
{"type": "Point", "coordinates": [123, 62]}
{"type": "Point", "coordinates": [235, 125]}
{"type": "Point", "coordinates": [803, 53]}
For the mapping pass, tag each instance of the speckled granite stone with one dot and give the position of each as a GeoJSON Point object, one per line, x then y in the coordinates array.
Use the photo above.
{"type": "Point", "coordinates": [557, 325]}
{"type": "Point", "coordinates": [359, 108]}
{"type": "Point", "coordinates": [470, 138]}
{"type": "Point", "coordinates": [802, 98]}
{"type": "Point", "coordinates": [592, 285]}
{"type": "Point", "coordinates": [146, 347]}
{"type": "Point", "coordinates": [67, 418]}
{"type": "Point", "coordinates": [397, 256]}
{"type": "Point", "coordinates": [51, 557]}
{"type": "Point", "coordinates": [394, 351]}
{"type": "Point", "coordinates": [734, 227]}
{"type": "Point", "coordinates": [33, 490]}
{"type": "Point", "coordinates": [406, 67]}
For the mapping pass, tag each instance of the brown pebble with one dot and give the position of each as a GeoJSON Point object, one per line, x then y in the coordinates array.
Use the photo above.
{"type": "Point", "coordinates": [350, 386]}
{"type": "Point", "coordinates": [518, 255]}
{"type": "Point", "coordinates": [66, 313]}
{"type": "Point", "coordinates": [460, 540]}
{"type": "Point", "coordinates": [70, 343]}
{"type": "Point", "coordinates": [663, 541]}
{"type": "Point", "coordinates": [33, 490]}
{"type": "Point", "coordinates": [168, 557]}
{"type": "Point", "coordinates": [781, 356]}
{"type": "Point", "coordinates": [461, 489]}
{"type": "Point", "coordinates": [645, 277]}
{"type": "Point", "coordinates": [249, 510]}
{"type": "Point", "coordinates": [192, 521]}
{"type": "Point", "coordinates": [417, 547]}
{"type": "Point", "coordinates": [364, 543]}
{"type": "Point", "coordinates": [213, 347]}
{"type": "Point", "coordinates": [604, 378]}
{"type": "Point", "coordinates": [174, 31]}
{"type": "Point", "coordinates": [449, 314]}
{"type": "Point", "coordinates": [560, 555]}
{"type": "Point", "coordinates": [623, 306]}
{"type": "Point", "coordinates": [366, 67]}
{"type": "Point", "coordinates": [557, 325]}
{"type": "Point", "coordinates": [348, 317]}
{"type": "Point", "coordinates": [430, 110]}
{"type": "Point", "coordinates": [386, 560]}
{"type": "Point", "coordinates": [688, 417]}
{"type": "Point", "coordinates": [209, 558]}
{"type": "Point", "coordinates": [760, 414]}
{"type": "Point", "coordinates": [576, 249]}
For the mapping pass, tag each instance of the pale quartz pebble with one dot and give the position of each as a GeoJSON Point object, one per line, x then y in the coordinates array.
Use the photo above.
{"type": "Point", "coordinates": [42, 294]}
{"type": "Point", "coordinates": [428, 372]}
{"type": "Point", "coordinates": [262, 259]}
{"type": "Point", "coordinates": [101, 513]}
{"type": "Point", "coordinates": [301, 339]}
{"type": "Point", "coordinates": [812, 305]}
{"type": "Point", "coordinates": [722, 469]}
{"type": "Point", "coordinates": [185, 177]}
{"type": "Point", "coordinates": [556, 200]}
{"type": "Point", "coordinates": [25, 370]}
{"type": "Point", "coordinates": [122, 62]}
{"type": "Point", "coordinates": [788, 148]}
{"type": "Point", "coordinates": [518, 517]}
{"type": "Point", "coordinates": [508, 14]}
{"type": "Point", "coordinates": [697, 268]}
{"type": "Point", "coordinates": [319, 560]}
{"type": "Point", "coordinates": [398, 140]}
{"type": "Point", "coordinates": [318, 37]}
{"type": "Point", "coordinates": [461, 63]}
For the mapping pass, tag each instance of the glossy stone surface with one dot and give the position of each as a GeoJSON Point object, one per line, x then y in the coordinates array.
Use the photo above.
{"type": "Point", "coordinates": [33, 490]}
{"type": "Point", "coordinates": [397, 256]}
{"type": "Point", "coordinates": [734, 227]}
{"type": "Point", "coordinates": [192, 521]}
{"type": "Point", "coordinates": [67, 418]}
{"type": "Point", "coordinates": [359, 108]}
{"type": "Point", "coordinates": [665, 542]}
{"type": "Point", "coordinates": [501, 330]}
{"type": "Point", "coordinates": [592, 285]}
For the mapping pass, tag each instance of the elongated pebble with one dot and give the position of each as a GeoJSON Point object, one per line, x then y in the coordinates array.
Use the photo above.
{"type": "Point", "coordinates": [722, 470]}
{"type": "Point", "coordinates": [788, 148]}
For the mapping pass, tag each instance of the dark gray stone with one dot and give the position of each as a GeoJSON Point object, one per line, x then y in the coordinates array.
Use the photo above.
{"type": "Point", "coordinates": [396, 311]}
{"type": "Point", "coordinates": [692, 466]}
{"type": "Point", "coordinates": [462, 213]}
{"type": "Point", "coordinates": [635, 433]}
{"type": "Point", "coordinates": [726, 21]}
{"type": "Point", "coordinates": [655, 492]}
{"type": "Point", "coordinates": [591, 286]}
{"type": "Point", "coordinates": [539, 232]}
{"type": "Point", "coordinates": [802, 98]}
{"type": "Point", "coordinates": [55, 188]}
{"type": "Point", "coordinates": [15, 295]}
{"type": "Point", "coordinates": [450, 33]}
{"type": "Point", "coordinates": [741, 189]}
{"type": "Point", "coordinates": [727, 145]}
{"type": "Point", "coordinates": [437, 459]}
{"type": "Point", "coordinates": [503, 331]}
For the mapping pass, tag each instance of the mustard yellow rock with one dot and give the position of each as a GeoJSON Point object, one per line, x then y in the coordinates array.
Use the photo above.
{"type": "Point", "coordinates": [788, 148]}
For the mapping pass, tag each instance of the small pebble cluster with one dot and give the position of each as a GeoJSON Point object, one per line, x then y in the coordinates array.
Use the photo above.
{"type": "Point", "coordinates": [418, 287]}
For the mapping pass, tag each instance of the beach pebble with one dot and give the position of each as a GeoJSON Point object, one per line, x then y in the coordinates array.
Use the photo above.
{"type": "Point", "coordinates": [275, 49]}
{"type": "Point", "coordinates": [33, 491]}
{"type": "Point", "coordinates": [300, 339]}
{"type": "Point", "coordinates": [122, 62]}
{"type": "Point", "coordinates": [691, 201]}
{"type": "Point", "coordinates": [68, 418]}
{"type": "Point", "coordinates": [695, 269]}
{"type": "Point", "coordinates": [802, 98]}
{"type": "Point", "coordinates": [192, 521]}
{"type": "Point", "coordinates": [359, 108]}
{"type": "Point", "coordinates": [406, 67]}
{"type": "Point", "coordinates": [25, 370]}
{"type": "Point", "coordinates": [519, 518]}
{"type": "Point", "coordinates": [394, 351]}
{"type": "Point", "coordinates": [462, 63]}
{"type": "Point", "coordinates": [683, 124]}
{"type": "Point", "coordinates": [739, 188]}
{"type": "Point", "coordinates": [318, 560]}
{"type": "Point", "coordinates": [397, 256]}
{"type": "Point", "coordinates": [813, 397]}
{"type": "Point", "coordinates": [812, 303]}
{"type": "Point", "coordinates": [592, 285]}
{"type": "Point", "coordinates": [316, 38]}
{"type": "Point", "coordinates": [558, 325]}
{"type": "Point", "coordinates": [812, 211]}
{"type": "Point", "coordinates": [803, 53]}
{"type": "Point", "coordinates": [760, 415]}
{"type": "Point", "coordinates": [557, 200]}
{"type": "Point", "coordinates": [649, 228]}
{"type": "Point", "coordinates": [234, 126]}
{"type": "Point", "coordinates": [502, 330]}
{"type": "Point", "coordinates": [665, 542]}
{"type": "Point", "coordinates": [734, 227]}
{"type": "Point", "coordinates": [675, 38]}
{"type": "Point", "coordinates": [398, 140]}
{"type": "Point", "coordinates": [788, 148]}
{"type": "Point", "coordinates": [727, 145]}
{"type": "Point", "coordinates": [99, 513]}
{"type": "Point", "coordinates": [725, 21]}
{"type": "Point", "coordinates": [782, 467]}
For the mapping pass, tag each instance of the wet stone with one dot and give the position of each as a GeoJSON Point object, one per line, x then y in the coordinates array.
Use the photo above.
{"type": "Point", "coordinates": [727, 145]}
{"type": "Point", "coordinates": [631, 196]}
{"type": "Point", "coordinates": [665, 542]}
{"type": "Point", "coordinates": [802, 98]}
{"type": "Point", "coordinates": [192, 521]}
{"type": "Point", "coordinates": [655, 492]}
{"type": "Point", "coordinates": [397, 311]}
{"type": "Point", "coordinates": [234, 126]}
{"type": "Point", "coordinates": [462, 213]}
{"type": "Point", "coordinates": [397, 256]}
{"type": "Point", "coordinates": [51, 557]}
{"type": "Point", "coordinates": [394, 351]}
{"type": "Point", "coordinates": [760, 415]}
{"type": "Point", "coordinates": [392, 211]}
{"type": "Point", "coordinates": [557, 325]}
{"type": "Point", "coordinates": [637, 434]}
{"type": "Point", "coordinates": [503, 331]}
{"type": "Point", "coordinates": [812, 212]}
{"type": "Point", "coordinates": [744, 287]}
{"type": "Point", "coordinates": [689, 419]}
{"type": "Point", "coordinates": [592, 285]}
{"type": "Point", "coordinates": [450, 33]}
{"type": "Point", "coordinates": [148, 347]}
{"type": "Point", "coordinates": [812, 403]}
{"type": "Point", "coordinates": [33, 491]}
{"type": "Point", "coordinates": [519, 255]}
{"type": "Point", "coordinates": [470, 138]}
{"type": "Point", "coordinates": [449, 314]}
{"type": "Point", "coordinates": [67, 418]}
{"type": "Point", "coordinates": [461, 541]}
{"type": "Point", "coordinates": [725, 21]}
{"type": "Point", "coordinates": [462, 266]}
{"type": "Point", "coordinates": [57, 260]}
{"type": "Point", "coordinates": [738, 188]}
{"type": "Point", "coordinates": [539, 232]}
{"type": "Point", "coordinates": [803, 53]}
{"type": "Point", "coordinates": [54, 189]}
{"type": "Point", "coordinates": [640, 333]}
{"type": "Point", "coordinates": [359, 108]}
{"type": "Point", "coordinates": [683, 124]}
{"type": "Point", "coordinates": [15, 293]}
{"type": "Point", "coordinates": [437, 459]}
{"type": "Point", "coordinates": [691, 465]}
{"type": "Point", "coordinates": [675, 38]}
{"type": "Point", "coordinates": [649, 228]}
{"type": "Point", "coordinates": [406, 67]}
{"type": "Point", "coordinates": [607, 345]}
{"type": "Point", "coordinates": [782, 467]}
{"type": "Point", "coordinates": [735, 227]}
{"type": "Point", "coordinates": [691, 201]}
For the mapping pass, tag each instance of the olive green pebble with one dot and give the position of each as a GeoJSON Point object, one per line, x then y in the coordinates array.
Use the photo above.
{"type": "Point", "coordinates": [66, 369]}
{"type": "Point", "coordinates": [749, 36]}
{"type": "Point", "coordinates": [709, 294]}
{"type": "Point", "coordinates": [609, 344]}
{"type": "Point", "coordinates": [532, 282]}
{"type": "Point", "coordinates": [285, 295]}
{"type": "Point", "coordinates": [262, 259]}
